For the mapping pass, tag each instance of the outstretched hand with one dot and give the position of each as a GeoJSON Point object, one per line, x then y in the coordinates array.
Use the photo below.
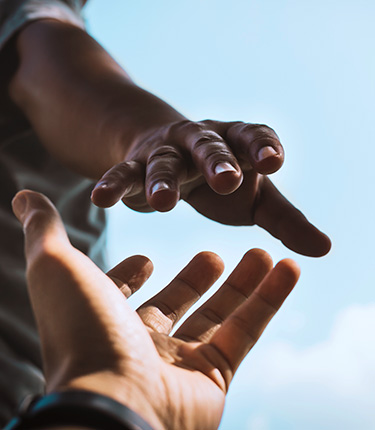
{"type": "Point", "coordinates": [220, 169]}
{"type": "Point", "coordinates": [91, 339]}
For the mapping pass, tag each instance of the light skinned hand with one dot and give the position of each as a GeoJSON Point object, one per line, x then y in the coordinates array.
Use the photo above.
{"type": "Point", "coordinates": [219, 168]}
{"type": "Point", "coordinates": [91, 339]}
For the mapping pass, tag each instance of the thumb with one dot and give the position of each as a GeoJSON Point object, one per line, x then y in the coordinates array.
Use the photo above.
{"type": "Point", "coordinates": [41, 223]}
{"type": "Point", "coordinates": [82, 317]}
{"type": "Point", "coordinates": [49, 267]}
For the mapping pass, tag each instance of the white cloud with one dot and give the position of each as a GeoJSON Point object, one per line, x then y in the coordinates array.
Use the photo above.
{"type": "Point", "coordinates": [344, 363]}
{"type": "Point", "coordinates": [257, 422]}
{"type": "Point", "coordinates": [325, 386]}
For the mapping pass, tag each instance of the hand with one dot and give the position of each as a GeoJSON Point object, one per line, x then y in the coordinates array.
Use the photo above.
{"type": "Point", "coordinates": [92, 340]}
{"type": "Point", "coordinates": [91, 116]}
{"type": "Point", "coordinates": [218, 168]}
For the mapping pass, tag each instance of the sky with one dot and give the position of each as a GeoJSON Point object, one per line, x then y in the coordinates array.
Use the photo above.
{"type": "Point", "coordinates": [307, 69]}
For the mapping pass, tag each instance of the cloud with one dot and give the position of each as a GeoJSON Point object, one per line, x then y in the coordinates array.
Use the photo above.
{"type": "Point", "coordinates": [328, 385]}
{"type": "Point", "coordinates": [257, 422]}
{"type": "Point", "coordinates": [344, 363]}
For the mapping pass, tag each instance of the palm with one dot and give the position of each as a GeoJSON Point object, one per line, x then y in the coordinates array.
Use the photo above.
{"type": "Point", "coordinates": [236, 208]}
{"type": "Point", "coordinates": [195, 394]}
{"type": "Point", "coordinates": [198, 362]}
{"type": "Point", "coordinates": [91, 339]}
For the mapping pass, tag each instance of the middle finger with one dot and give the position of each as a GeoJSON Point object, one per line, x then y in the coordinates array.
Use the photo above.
{"type": "Point", "coordinates": [165, 309]}
{"type": "Point", "coordinates": [251, 270]}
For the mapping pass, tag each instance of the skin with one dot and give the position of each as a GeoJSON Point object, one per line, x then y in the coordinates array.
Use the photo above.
{"type": "Point", "coordinates": [92, 117]}
{"type": "Point", "coordinates": [91, 339]}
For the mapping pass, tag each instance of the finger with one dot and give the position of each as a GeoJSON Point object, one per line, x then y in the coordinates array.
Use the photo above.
{"type": "Point", "coordinates": [279, 217]}
{"type": "Point", "coordinates": [79, 311]}
{"type": "Point", "coordinates": [212, 156]}
{"type": "Point", "coordinates": [241, 330]}
{"type": "Point", "coordinates": [233, 209]}
{"type": "Point", "coordinates": [165, 309]}
{"type": "Point", "coordinates": [257, 144]}
{"type": "Point", "coordinates": [164, 173]}
{"type": "Point", "coordinates": [131, 274]}
{"type": "Point", "coordinates": [41, 223]}
{"type": "Point", "coordinates": [201, 326]}
{"type": "Point", "coordinates": [122, 180]}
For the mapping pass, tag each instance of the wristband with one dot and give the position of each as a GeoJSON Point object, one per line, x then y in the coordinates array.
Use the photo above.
{"type": "Point", "coordinates": [76, 408]}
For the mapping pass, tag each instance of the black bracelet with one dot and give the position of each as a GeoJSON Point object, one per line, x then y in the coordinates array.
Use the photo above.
{"type": "Point", "coordinates": [76, 408]}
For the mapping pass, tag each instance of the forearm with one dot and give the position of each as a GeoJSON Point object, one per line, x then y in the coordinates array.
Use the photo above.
{"type": "Point", "coordinates": [81, 103]}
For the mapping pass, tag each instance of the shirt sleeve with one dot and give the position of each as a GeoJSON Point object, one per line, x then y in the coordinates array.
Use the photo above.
{"type": "Point", "coordinates": [14, 14]}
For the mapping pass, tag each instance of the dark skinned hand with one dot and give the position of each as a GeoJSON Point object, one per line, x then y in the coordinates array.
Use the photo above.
{"type": "Point", "coordinates": [218, 168]}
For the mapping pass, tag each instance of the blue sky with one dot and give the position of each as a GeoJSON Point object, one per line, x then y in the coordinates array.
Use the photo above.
{"type": "Point", "coordinates": [308, 70]}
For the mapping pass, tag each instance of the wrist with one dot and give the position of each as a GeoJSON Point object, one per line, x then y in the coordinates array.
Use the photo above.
{"type": "Point", "coordinates": [134, 115]}
{"type": "Point", "coordinates": [78, 409]}
{"type": "Point", "coordinates": [82, 105]}
{"type": "Point", "coordinates": [127, 391]}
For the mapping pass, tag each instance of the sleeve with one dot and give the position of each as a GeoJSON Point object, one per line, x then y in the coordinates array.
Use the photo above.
{"type": "Point", "coordinates": [14, 14]}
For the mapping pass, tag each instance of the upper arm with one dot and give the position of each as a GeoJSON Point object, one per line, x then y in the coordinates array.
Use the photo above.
{"type": "Point", "coordinates": [15, 14]}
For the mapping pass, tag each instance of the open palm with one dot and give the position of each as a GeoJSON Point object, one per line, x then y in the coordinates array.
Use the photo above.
{"type": "Point", "coordinates": [91, 339]}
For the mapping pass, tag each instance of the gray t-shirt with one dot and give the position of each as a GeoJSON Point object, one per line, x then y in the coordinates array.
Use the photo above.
{"type": "Point", "coordinates": [24, 163]}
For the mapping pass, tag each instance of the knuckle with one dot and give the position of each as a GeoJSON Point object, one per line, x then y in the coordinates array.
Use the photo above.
{"type": "Point", "coordinates": [185, 127]}
{"type": "Point", "coordinates": [127, 166]}
{"type": "Point", "coordinates": [214, 157]}
{"type": "Point", "coordinates": [46, 257]}
{"type": "Point", "coordinates": [46, 241]}
{"type": "Point", "coordinates": [121, 170]}
{"type": "Point", "coordinates": [165, 164]}
{"type": "Point", "coordinates": [163, 153]}
{"type": "Point", "coordinates": [252, 132]}
{"type": "Point", "coordinates": [210, 149]}
{"type": "Point", "coordinates": [207, 139]}
{"type": "Point", "coordinates": [260, 131]}
{"type": "Point", "coordinates": [265, 131]}
{"type": "Point", "coordinates": [34, 222]}
{"type": "Point", "coordinates": [236, 125]}
{"type": "Point", "coordinates": [184, 133]}
{"type": "Point", "coordinates": [211, 123]}
{"type": "Point", "coordinates": [212, 315]}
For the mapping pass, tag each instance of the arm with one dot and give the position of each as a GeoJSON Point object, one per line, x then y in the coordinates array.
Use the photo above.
{"type": "Point", "coordinates": [92, 117]}
{"type": "Point", "coordinates": [99, 344]}
{"type": "Point", "coordinates": [82, 104]}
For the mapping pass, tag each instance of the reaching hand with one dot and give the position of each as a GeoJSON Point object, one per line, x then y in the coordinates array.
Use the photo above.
{"type": "Point", "coordinates": [218, 168]}
{"type": "Point", "coordinates": [92, 340]}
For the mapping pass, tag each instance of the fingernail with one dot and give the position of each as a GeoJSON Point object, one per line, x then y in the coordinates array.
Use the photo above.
{"type": "Point", "coordinates": [265, 152]}
{"type": "Point", "coordinates": [160, 186]}
{"type": "Point", "coordinates": [19, 204]}
{"type": "Point", "coordinates": [224, 167]}
{"type": "Point", "coordinates": [102, 184]}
